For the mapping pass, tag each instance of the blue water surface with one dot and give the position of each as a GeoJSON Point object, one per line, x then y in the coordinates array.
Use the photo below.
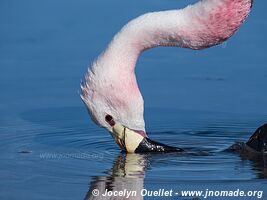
{"type": "Point", "coordinates": [202, 100]}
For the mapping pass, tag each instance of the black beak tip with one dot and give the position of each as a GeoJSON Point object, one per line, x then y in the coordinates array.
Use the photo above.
{"type": "Point", "coordinates": [149, 146]}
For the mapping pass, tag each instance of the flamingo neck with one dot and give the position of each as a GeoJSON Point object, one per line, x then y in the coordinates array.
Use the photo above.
{"type": "Point", "coordinates": [121, 54]}
{"type": "Point", "coordinates": [204, 24]}
{"type": "Point", "coordinates": [111, 86]}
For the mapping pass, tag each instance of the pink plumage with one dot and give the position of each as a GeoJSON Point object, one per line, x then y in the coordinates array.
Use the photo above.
{"type": "Point", "coordinates": [110, 85]}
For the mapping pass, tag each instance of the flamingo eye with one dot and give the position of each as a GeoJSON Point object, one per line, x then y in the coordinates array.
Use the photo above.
{"type": "Point", "coordinates": [109, 120]}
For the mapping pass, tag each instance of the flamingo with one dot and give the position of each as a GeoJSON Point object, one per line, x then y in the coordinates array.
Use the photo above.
{"type": "Point", "coordinates": [110, 91]}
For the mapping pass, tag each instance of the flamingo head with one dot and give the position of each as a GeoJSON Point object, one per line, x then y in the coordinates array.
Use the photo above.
{"type": "Point", "coordinates": [114, 102]}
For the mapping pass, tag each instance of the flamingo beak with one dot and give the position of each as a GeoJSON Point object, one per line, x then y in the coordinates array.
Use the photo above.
{"type": "Point", "coordinates": [132, 141]}
{"type": "Point", "coordinates": [127, 139]}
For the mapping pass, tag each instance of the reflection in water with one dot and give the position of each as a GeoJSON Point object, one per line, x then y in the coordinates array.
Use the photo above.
{"type": "Point", "coordinates": [127, 174]}
{"type": "Point", "coordinates": [258, 162]}
{"type": "Point", "coordinates": [255, 150]}
{"type": "Point", "coordinates": [258, 159]}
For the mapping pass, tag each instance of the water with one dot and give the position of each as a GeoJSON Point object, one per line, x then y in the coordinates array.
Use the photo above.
{"type": "Point", "coordinates": [203, 100]}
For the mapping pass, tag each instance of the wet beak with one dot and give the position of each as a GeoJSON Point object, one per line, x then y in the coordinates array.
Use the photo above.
{"type": "Point", "coordinates": [127, 139]}
{"type": "Point", "coordinates": [133, 142]}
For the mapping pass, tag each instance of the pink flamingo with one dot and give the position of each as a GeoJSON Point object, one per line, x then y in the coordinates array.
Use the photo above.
{"type": "Point", "coordinates": [110, 91]}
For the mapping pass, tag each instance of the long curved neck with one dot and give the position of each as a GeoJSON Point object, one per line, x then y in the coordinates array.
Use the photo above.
{"type": "Point", "coordinates": [111, 85]}
{"type": "Point", "coordinates": [205, 24]}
